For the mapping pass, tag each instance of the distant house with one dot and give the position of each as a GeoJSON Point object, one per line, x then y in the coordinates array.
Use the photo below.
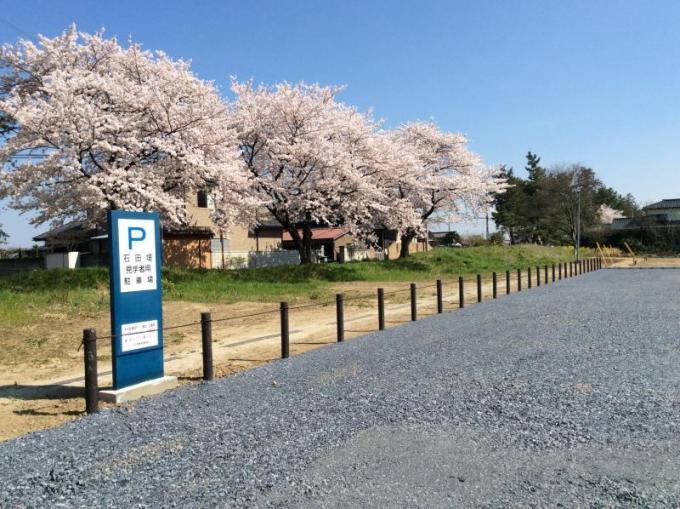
{"type": "Point", "coordinates": [662, 213]}
{"type": "Point", "coordinates": [336, 244]}
{"type": "Point", "coordinates": [200, 245]}
{"type": "Point", "coordinates": [193, 246]}
{"type": "Point", "coordinates": [665, 210]}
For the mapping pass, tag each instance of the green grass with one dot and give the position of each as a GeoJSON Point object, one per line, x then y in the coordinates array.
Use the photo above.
{"type": "Point", "coordinates": [86, 290]}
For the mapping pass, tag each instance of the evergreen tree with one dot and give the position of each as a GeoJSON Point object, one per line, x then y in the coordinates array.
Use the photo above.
{"type": "Point", "coordinates": [510, 208]}
{"type": "Point", "coordinates": [543, 207]}
{"type": "Point", "coordinates": [535, 170]}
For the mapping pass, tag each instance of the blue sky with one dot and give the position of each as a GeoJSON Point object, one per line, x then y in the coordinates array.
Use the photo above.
{"type": "Point", "coordinates": [588, 81]}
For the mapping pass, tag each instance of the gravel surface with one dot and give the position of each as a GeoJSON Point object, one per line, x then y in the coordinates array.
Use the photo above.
{"type": "Point", "coordinates": [567, 394]}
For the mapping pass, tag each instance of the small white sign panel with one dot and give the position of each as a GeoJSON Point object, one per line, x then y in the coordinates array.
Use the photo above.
{"type": "Point", "coordinates": [139, 335]}
{"type": "Point", "coordinates": [137, 251]}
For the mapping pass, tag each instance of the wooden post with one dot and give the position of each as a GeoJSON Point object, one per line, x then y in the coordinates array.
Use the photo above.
{"type": "Point", "coordinates": [519, 280]}
{"type": "Point", "coordinates": [91, 380]}
{"type": "Point", "coordinates": [206, 341]}
{"type": "Point", "coordinates": [440, 297]}
{"type": "Point", "coordinates": [340, 316]}
{"type": "Point", "coordinates": [285, 331]}
{"type": "Point", "coordinates": [381, 309]}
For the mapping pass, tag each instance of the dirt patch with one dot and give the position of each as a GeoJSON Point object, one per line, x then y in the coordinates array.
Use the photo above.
{"type": "Point", "coordinates": [642, 262]}
{"type": "Point", "coordinates": [245, 335]}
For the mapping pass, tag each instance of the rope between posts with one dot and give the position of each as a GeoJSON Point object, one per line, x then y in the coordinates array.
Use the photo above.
{"type": "Point", "coordinates": [302, 306]}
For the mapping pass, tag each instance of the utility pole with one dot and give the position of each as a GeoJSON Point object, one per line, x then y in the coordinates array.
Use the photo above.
{"type": "Point", "coordinates": [578, 226]}
{"type": "Point", "coordinates": [576, 185]}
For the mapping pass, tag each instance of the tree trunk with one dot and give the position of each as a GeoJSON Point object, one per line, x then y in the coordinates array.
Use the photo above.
{"type": "Point", "coordinates": [298, 241]}
{"type": "Point", "coordinates": [306, 255]}
{"type": "Point", "coordinates": [406, 239]}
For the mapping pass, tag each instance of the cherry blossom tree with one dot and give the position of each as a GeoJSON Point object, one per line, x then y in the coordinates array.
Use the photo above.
{"type": "Point", "coordinates": [312, 159]}
{"type": "Point", "coordinates": [607, 214]}
{"type": "Point", "coordinates": [449, 182]}
{"type": "Point", "coordinates": [90, 125]}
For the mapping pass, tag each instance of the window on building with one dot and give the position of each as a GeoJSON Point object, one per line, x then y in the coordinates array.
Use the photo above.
{"type": "Point", "coordinates": [204, 200]}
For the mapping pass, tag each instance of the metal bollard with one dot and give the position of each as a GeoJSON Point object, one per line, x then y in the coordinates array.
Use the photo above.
{"type": "Point", "coordinates": [479, 288]}
{"type": "Point", "coordinates": [461, 292]}
{"type": "Point", "coordinates": [285, 331]}
{"type": "Point", "coordinates": [538, 276]}
{"type": "Point", "coordinates": [553, 272]}
{"type": "Point", "coordinates": [546, 275]}
{"type": "Point", "coordinates": [414, 310]}
{"type": "Point", "coordinates": [495, 283]}
{"type": "Point", "coordinates": [440, 297]}
{"type": "Point", "coordinates": [571, 269]}
{"type": "Point", "coordinates": [340, 316]}
{"type": "Point", "coordinates": [559, 267]}
{"type": "Point", "coordinates": [206, 340]}
{"type": "Point", "coordinates": [91, 381]}
{"type": "Point", "coordinates": [381, 309]}
{"type": "Point", "coordinates": [507, 282]}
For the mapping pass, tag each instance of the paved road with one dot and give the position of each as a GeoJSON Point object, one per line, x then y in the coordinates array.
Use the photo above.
{"type": "Point", "coordinates": [567, 394]}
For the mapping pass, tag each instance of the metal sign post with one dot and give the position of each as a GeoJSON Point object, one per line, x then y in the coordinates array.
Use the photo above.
{"type": "Point", "coordinates": [136, 297]}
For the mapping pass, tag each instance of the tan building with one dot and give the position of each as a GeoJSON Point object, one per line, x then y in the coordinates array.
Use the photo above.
{"type": "Point", "coordinates": [200, 244]}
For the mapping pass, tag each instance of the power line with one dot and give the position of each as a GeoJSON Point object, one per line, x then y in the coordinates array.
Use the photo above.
{"type": "Point", "coordinates": [16, 28]}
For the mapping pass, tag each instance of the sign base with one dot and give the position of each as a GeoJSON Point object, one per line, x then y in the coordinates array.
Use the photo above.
{"type": "Point", "coordinates": [133, 392]}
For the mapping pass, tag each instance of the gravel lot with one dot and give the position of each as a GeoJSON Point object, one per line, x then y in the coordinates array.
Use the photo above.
{"type": "Point", "coordinates": [568, 394]}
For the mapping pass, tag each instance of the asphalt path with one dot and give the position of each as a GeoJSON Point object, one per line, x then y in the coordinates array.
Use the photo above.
{"type": "Point", "coordinates": [567, 394]}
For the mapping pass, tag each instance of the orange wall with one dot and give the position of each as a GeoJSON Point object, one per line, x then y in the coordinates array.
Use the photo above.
{"type": "Point", "coordinates": [188, 252]}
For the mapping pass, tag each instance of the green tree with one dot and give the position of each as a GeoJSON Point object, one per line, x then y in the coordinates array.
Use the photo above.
{"type": "Point", "coordinates": [510, 211]}
{"type": "Point", "coordinates": [535, 170]}
{"type": "Point", "coordinates": [561, 191]}
{"type": "Point", "coordinates": [543, 208]}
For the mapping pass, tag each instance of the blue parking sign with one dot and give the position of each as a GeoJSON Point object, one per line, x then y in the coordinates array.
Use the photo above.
{"type": "Point", "coordinates": [136, 297]}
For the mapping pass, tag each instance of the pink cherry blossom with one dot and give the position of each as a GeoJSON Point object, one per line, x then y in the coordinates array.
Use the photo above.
{"type": "Point", "coordinates": [98, 126]}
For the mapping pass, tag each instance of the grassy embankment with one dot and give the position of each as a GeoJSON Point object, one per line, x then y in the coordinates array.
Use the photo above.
{"type": "Point", "coordinates": [26, 296]}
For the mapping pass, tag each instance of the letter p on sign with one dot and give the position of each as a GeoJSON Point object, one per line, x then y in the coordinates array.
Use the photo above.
{"type": "Point", "coordinates": [140, 235]}
{"type": "Point", "coordinates": [138, 257]}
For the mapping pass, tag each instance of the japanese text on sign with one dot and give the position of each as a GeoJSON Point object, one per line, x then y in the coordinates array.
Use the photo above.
{"type": "Point", "coordinates": [139, 335]}
{"type": "Point", "coordinates": [137, 248]}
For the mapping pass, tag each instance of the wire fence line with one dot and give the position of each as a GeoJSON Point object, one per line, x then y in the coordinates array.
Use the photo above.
{"type": "Point", "coordinates": [500, 281]}
{"type": "Point", "coordinates": [547, 272]}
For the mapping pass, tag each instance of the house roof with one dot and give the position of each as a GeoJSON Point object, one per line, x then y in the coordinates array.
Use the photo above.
{"type": "Point", "coordinates": [664, 204]}
{"type": "Point", "coordinates": [72, 230]}
{"type": "Point", "coordinates": [320, 234]}
{"type": "Point", "coordinates": [78, 231]}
